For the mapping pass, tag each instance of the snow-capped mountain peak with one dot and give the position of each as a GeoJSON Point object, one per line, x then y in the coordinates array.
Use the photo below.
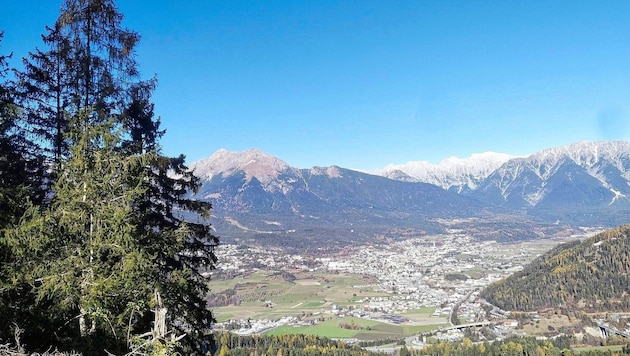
{"type": "Point", "coordinates": [587, 154]}
{"type": "Point", "coordinates": [582, 173]}
{"type": "Point", "coordinates": [451, 173]}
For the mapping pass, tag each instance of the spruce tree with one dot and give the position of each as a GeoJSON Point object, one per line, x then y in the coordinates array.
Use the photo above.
{"type": "Point", "coordinates": [119, 237]}
{"type": "Point", "coordinates": [9, 150]}
{"type": "Point", "coordinates": [45, 92]}
{"type": "Point", "coordinates": [21, 181]}
{"type": "Point", "coordinates": [167, 217]}
{"type": "Point", "coordinates": [21, 168]}
{"type": "Point", "coordinates": [88, 64]}
{"type": "Point", "coordinates": [81, 255]}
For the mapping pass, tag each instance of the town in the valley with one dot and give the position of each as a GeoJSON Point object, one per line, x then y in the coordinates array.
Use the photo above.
{"type": "Point", "coordinates": [440, 275]}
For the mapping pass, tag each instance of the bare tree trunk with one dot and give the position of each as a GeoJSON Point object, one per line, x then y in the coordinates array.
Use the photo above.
{"type": "Point", "coordinates": [159, 325]}
{"type": "Point", "coordinates": [83, 330]}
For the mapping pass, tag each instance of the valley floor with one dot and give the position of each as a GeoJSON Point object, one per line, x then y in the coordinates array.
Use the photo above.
{"type": "Point", "coordinates": [388, 289]}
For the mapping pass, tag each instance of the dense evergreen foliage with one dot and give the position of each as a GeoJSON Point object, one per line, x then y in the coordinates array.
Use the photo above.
{"type": "Point", "coordinates": [591, 275]}
{"type": "Point", "coordinates": [509, 347]}
{"type": "Point", "coordinates": [21, 180]}
{"type": "Point", "coordinates": [93, 242]}
{"type": "Point", "coordinates": [297, 345]}
{"type": "Point", "coordinates": [21, 169]}
{"type": "Point", "coordinates": [230, 344]}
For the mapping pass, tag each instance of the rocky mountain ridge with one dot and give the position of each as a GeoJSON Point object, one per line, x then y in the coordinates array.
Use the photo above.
{"type": "Point", "coordinates": [584, 184]}
{"type": "Point", "coordinates": [262, 195]}
{"type": "Point", "coordinates": [452, 173]}
{"type": "Point", "coordinates": [593, 175]}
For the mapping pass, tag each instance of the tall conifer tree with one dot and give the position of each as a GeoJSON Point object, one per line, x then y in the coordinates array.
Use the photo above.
{"type": "Point", "coordinates": [119, 233]}
{"type": "Point", "coordinates": [45, 93]}
{"type": "Point", "coordinates": [21, 181]}
{"type": "Point", "coordinates": [81, 255]}
{"type": "Point", "coordinates": [21, 169]}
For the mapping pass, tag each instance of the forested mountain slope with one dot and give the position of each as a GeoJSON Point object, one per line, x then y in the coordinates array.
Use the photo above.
{"type": "Point", "coordinates": [592, 275]}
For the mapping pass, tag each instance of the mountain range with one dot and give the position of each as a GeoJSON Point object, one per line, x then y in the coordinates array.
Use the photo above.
{"type": "Point", "coordinates": [489, 195]}
{"type": "Point", "coordinates": [455, 174]}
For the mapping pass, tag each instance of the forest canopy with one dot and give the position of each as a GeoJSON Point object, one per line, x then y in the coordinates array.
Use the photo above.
{"type": "Point", "coordinates": [592, 275]}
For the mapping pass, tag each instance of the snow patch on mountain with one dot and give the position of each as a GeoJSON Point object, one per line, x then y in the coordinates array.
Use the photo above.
{"type": "Point", "coordinates": [331, 172]}
{"type": "Point", "coordinates": [452, 172]}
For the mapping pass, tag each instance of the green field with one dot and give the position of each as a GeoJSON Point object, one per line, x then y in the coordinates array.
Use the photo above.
{"type": "Point", "coordinates": [366, 329]}
{"type": "Point", "coordinates": [312, 292]}
{"type": "Point", "coordinates": [311, 296]}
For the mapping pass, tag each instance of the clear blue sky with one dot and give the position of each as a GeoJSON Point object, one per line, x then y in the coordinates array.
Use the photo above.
{"type": "Point", "coordinates": [361, 84]}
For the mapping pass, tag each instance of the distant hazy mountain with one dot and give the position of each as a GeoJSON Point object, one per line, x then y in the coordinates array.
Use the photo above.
{"type": "Point", "coordinates": [454, 174]}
